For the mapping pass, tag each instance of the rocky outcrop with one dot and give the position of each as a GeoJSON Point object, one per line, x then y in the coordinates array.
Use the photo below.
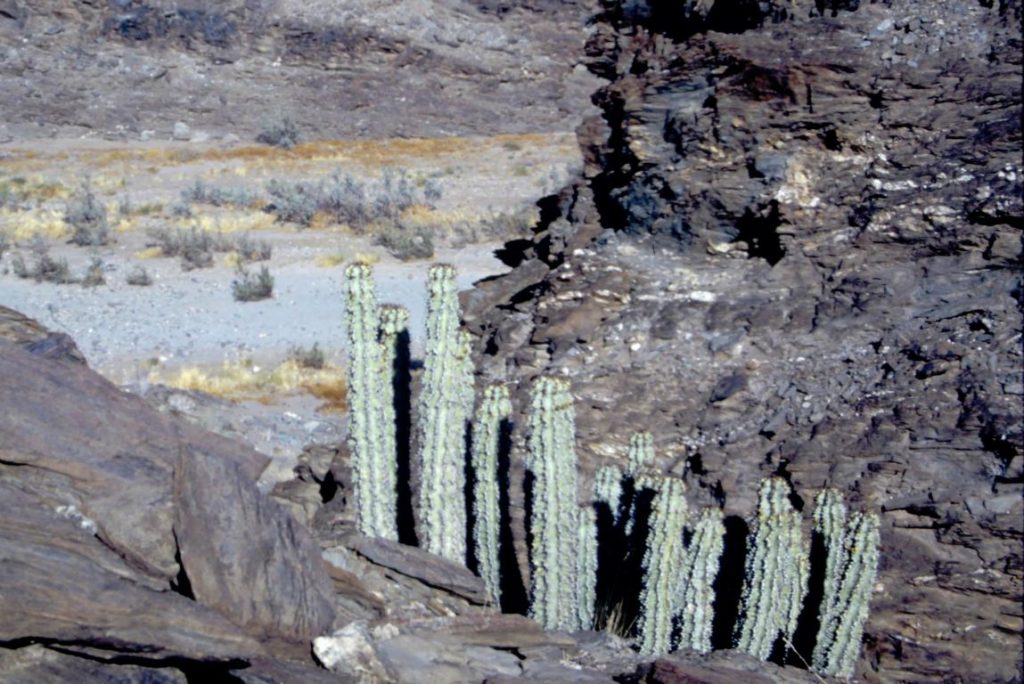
{"type": "Point", "coordinates": [422, 68]}
{"type": "Point", "coordinates": [136, 538]}
{"type": "Point", "coordinates": [795, 250]}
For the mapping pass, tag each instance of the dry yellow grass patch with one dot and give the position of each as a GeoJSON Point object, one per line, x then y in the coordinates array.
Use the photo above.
{"type": "Point", "coordinates": [374, 152]}
{"type": "Point", "coordinates": [149, 253]}
{"type": "Point", "coordinates": [23, 225]}
{"type": "Point", "coordinates": [330, 260]}
{"type": "Point", "coordinates": [241, 380]}
{"type": "Point", "coordinates": [369, 258]}
{"type": "Point", "coordinates": [36, 187]}
{"type": "Point", "coordinates": [232, 259]}
{"type": "Point", "coordinates": [229, 221]}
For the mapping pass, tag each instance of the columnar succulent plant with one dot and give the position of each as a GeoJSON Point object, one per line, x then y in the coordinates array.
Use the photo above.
{"type": "Point", "coordinates": [851, 563]}
{"type": "Point", "coordinates": [662, 562]}
{"type": "Point", "coordinates": [777, 573]}
{"type": "Point", "coordinates": [495, 408]}
{"type": "Point", "coordinates": [695, 591]}
{"type": "Point", "coordinates": [641, 453]}
{"type": "Point", "coordinates": [638, 458]}
{"type": "Point", "coordinates": [394, 322]}
{"type": "Point", "coordinates": [554, 520]}
{"type": "Point", "coordinates": [444, 409]}
{"type": "Point", "coordinates": [373, 472]}
{"type": "Point", "coordinates": [586, 567]}
{"type": "Point", "coordinates": [608, 490]}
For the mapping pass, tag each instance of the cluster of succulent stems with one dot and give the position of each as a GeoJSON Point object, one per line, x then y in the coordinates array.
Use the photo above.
{"type": "Point", "coordinates": [676, 554]}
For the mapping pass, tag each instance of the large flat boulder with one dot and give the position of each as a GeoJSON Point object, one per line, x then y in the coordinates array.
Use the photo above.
{"type": "Point", "coordinates": [125, 532]}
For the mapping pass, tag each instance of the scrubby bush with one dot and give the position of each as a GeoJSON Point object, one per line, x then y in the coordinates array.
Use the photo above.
{"type": "Point", "coordinates": [311, 357]}
{"type": "Point", "coordinates": [406, 242]}
{"type": "Point", "coordinates": [94, 274]}
{"type": "Point", "coordinates": [5, 242]}
{"type": "Point", "coordinates": [251, 249]}
{"type": "Point", "coordinates": [87, 218]}
{"type": "Point", "coordinates": [200, 192]}
{"type": "Point", "coordinates": [343, 199]}
{"type": "Point", "coordinates": [281, 133]}
{"type": "Point", "coordinates": [196, 246]}
{"type": "Point", "coordinates": [139, 277]}
{"type": "Point", "coordinates": [248, 287]}
{"type": "Point", "coordinates": [44, 268]}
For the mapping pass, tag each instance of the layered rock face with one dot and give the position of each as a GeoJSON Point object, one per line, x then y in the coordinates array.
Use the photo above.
{"type": "Point", "coordinates": [796, 249]}
{"type": "Point", "coordinates": [424, 68]}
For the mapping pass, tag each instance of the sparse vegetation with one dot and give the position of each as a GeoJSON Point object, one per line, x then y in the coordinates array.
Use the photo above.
{"type": "Point", "coordinates": [281, 133]}
{"type": "Point", "coordinates": [5, 243]}
{"type": "Point", "coordinates": [308, 357]}
{"type": "Point", "coordinates": [200, 192]}
{"type": "Point", "coordinates": [342, 199]}
{"type": "Point", "coordinates": [94, 274]}
{"type": "Point", "coordinates": [196, 246]}
{"type": "Point", "coordinates": [44, 268]}
{"type": "Point", "coordinates": [249, 287]}
{"type": "Point", "coordinates": [139, 277]}
{"type": "Point", "coordinates": [243, 380]}
{"type": "Point", "coordinates": [406, 242]}
{"type": "Point", "coordinates": [88, 219]}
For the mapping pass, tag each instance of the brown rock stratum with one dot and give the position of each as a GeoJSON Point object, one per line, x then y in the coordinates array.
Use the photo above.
{"type": "Point", "coordinates": [796, 249]}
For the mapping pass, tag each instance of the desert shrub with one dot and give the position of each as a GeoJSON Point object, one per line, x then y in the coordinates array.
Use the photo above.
{"type": "Point", "coordinates": [311, 357]}
{"type": "Point", "coordinates": [196, 246]}
{"type": "Point", "coordinates": [345, 200]}
{"type": "Point", "coordinates": [5, 242]}
{"type": "Point", "coordinates": [94, 274]}
{"type": "Point", "coordinates": [201, 192]}
{"type": "Point", "coordinates": [44, 268]}
{"type": "Point", "coordinates": [281, 133]}
{"type": "Point", "coordinates": [139, 277]}
{"type": "Point", "coordinates": [87, 218]}
{"type": "Point", "coordinates": [251, 249]}
{"type": "Point", "coordinates": [249, 287]}
{"type": "Point", "coordinates": [406, 242]}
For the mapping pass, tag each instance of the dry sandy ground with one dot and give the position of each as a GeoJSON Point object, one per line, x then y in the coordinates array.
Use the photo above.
{"type": "Point", "coordinates": [188, 322]}
{"type": "Point", "coordinates": [190, 317]}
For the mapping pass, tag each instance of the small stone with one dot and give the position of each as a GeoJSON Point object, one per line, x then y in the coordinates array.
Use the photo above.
{"type": "Point", "coordinates": [181, 131]}
{"type": "Point", "coordinates": [350, 651]}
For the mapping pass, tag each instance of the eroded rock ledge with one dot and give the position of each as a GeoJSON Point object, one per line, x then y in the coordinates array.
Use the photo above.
{"type": "Point", "coordinates": [795, 249]}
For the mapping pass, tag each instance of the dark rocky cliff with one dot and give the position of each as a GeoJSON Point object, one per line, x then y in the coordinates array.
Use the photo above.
{"type": "Point", "coordinates": [796, 249]}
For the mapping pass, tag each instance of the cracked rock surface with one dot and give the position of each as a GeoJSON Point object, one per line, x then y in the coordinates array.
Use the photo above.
{"type": "Point", "coordinates": [795, 248]}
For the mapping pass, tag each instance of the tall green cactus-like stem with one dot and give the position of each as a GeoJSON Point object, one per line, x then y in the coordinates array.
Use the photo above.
{"type": "Point", "coordinates": [696, 593]}
{"type": "Point", "coordinates": [444, 408]}
{"type": "Point", "coordinates": [662, 563]}
{"type": "Point", "coordinates": [373, 472]}
{"type": "Point", "coordinates": [394, 321]}
{"type": "Point", "coordinates": [638, 458]}
{"type": "Point", "coordinates": [586, 567]}
{"type": "Point", "coordinates": [608, 490]}
{"type": "Point", "coordinates": [553, 522]}
{"type": "Point", "coordinates": [641, 453]}
{"type": "Point", "coordinates": [830, 525]}
{"type": "Point", "coordinates": [777, 573]}
{"type": "Point", "coordinates": [495, 407]}
{"type": "Point", "coordinates": [851, 565]}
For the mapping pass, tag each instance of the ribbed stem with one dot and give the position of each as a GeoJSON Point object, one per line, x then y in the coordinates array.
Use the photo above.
{"type": "Point", "coordinates": [696, 593]}
{"type": "Point", "coordinates": [777, 573]}
{"type": "Point", "coordinates": [662, 563]}
{"type": "Point", "coordinates": [373, 475]}
{"type": "Point", "coordinates": [495, 407]}
{"type": "Point", "coordinates": [444, 408]}
{"type": "Point", "coordinates": [553, 523]}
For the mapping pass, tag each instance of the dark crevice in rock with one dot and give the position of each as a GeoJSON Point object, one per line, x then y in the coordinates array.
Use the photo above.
{"type": "Point", "coordinates": [181, 583]}
{"type": "Point", "coordinates": [402, 388]}
{"type": "Point", "coordinates": [194, 670]}
{"type": "Point", "coordinates": [513, 591]}
{"type": "Point", "coordinates": [729, 582]}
